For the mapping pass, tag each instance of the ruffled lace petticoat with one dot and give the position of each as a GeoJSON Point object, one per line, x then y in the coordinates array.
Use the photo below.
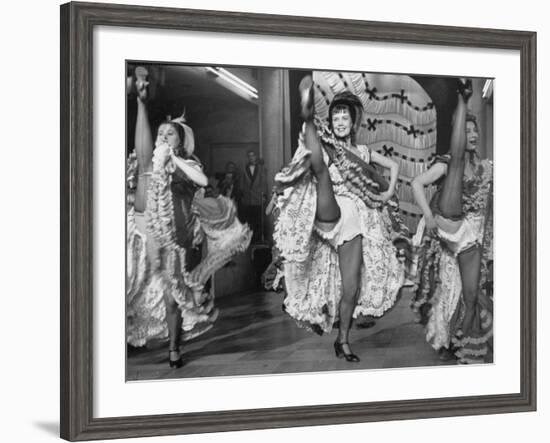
{"type": "Point", "coordinates": [311, 266]}
{"type": "Point", "coordinates": [440, 284]}
{"type": "Point", "coordinates": [157, 267]}
{"type": "Point", "coordinates": [146, 289]}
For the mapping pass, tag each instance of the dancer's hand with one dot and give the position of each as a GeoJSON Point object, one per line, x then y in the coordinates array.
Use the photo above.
{"type": "Point", "coordinates": [431, 224]}
{"type": "Point", "coordinates": [386, 195]}
{"type": "Point", "coordinates": [307, 95]}
{"type": "Point", "coordinates": [465, 89]}
{"type": "Point", "coordinates": [163, 151]}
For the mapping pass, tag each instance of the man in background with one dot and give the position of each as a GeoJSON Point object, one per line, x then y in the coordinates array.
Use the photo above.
{"type": "Point", "coordinates": [253, 194]}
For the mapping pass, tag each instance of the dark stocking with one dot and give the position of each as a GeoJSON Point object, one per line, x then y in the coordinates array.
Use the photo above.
{"type": "Point", "coordinates": [351, 258]}
{"type": "Point", "coordinates": [327, 207]}
{"type": "Point", "coordinates": [450, 198]}
{"type": "Point", "coordinates": [174, 320]}
{"type": "Point", "coordinates": [469, 263]}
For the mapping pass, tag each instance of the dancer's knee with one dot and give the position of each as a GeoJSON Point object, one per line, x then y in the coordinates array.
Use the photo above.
{"type": "Point", "coordinates": [171, 305]}
{"type": "Point", "coordinates": [470, 298]}
{"type": "Point", "coordinates": [458, 160]}
{"type": "Point", "coordinates": [352, 287]}
{"type": "Point", "coordinates": [319, 168]}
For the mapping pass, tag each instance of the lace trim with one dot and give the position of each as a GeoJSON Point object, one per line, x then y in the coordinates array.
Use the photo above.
{"type": "Point", "coordinates": [462, 341]}
{"type": "Point", "coordinates": [470, 361]}
{"type": "Point", "coordinates": [222, 246]}
{"type": "Point", "coordinates": [471, 352]}
{"type": "Point", "coordinates": [309, 320]}
{"type": "Point", "coordinates": [486, 324]}
{"type": "Point", "coordinates": [137, 269]}
{"type": "Point", "coordinates": [149, 284]}
{"type": "Point", "coordinates": [329, 235]}
{"type": "Point", "coordinates": [146, 316]}
{"type": "Point", "coordinates": [314, 286]}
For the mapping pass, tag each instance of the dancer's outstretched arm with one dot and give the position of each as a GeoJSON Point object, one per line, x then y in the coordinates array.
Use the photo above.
{"type": "Point", "coordinates": [190, 169]}
{"type": "Point", "coordinates": [428, 177]}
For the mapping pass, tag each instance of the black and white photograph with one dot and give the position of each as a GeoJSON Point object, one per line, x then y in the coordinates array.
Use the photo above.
{"type": "Point", "coordinates": [243, 222]}
{"type": "Point", "coordinates": [287, 220]}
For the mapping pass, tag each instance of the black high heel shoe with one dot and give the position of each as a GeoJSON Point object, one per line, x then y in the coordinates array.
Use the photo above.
{"type": "Point", "coordinates": [465, 88]}
{"type": "Point", "coordinates": [306, 98]}
{"type": "Point", "coordinates": [339, 349]}
{"type": "Point", "coordinates": [174, 363]}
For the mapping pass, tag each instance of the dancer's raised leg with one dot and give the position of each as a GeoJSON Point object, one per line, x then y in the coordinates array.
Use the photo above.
{"type": "Point", "coordinates": [450, 199]}
{"type": "Point", "coordinates": [143, 140]}
{"type": "Point", "coordinates": [327, 207]}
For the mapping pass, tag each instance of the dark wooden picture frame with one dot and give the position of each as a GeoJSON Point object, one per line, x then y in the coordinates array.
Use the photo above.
{"type": "Point", "coordinates": [77, 23]}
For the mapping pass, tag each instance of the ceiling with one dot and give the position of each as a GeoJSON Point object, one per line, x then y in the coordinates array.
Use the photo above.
{"type": "Point", "coordinates": [195, 86]}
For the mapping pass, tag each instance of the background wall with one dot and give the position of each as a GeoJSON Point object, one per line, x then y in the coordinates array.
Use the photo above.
{"type": "Point", "coordinates": [29, 222]}
{"type": "Point", "coordinates": [225, 124]}
{"type": "Point", "coordinates": [227, 134]}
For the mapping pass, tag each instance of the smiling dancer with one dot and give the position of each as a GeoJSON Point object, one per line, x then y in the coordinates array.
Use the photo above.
{"type": "Point", "coordinates": [338, 220]}
{"type": "Point", "coordinates": [177, 237]}
{"type": "Point", "coordinates": [455, 238]}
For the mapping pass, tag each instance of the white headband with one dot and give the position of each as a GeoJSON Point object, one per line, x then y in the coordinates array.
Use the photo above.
{"type": "Point", "coordinates": [189, 142]}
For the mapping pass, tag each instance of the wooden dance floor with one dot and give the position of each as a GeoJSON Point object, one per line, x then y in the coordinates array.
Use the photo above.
{"type": "Point", "coordinates": [253, 336]}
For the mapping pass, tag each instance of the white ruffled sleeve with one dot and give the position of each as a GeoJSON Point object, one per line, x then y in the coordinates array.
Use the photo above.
{"type": "Point", "coordinates": [365, 153]}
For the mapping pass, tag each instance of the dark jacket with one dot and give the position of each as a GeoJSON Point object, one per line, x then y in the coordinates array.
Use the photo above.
{"type": "Point", "coordinates": [253, 187]}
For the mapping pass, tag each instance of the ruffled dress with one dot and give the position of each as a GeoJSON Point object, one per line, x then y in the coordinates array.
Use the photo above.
{"type": "Point", "coordinates": [309, 250]}
{"type": "Point", "coordinates": [173, 249]}
{"type": "Point", "coordinates": [439, 286]}
{"type": "Point", "coordinates": [273, 276]}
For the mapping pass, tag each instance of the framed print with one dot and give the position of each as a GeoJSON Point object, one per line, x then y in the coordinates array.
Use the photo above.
{"type": "Point", "coordinates": [272, 221]}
